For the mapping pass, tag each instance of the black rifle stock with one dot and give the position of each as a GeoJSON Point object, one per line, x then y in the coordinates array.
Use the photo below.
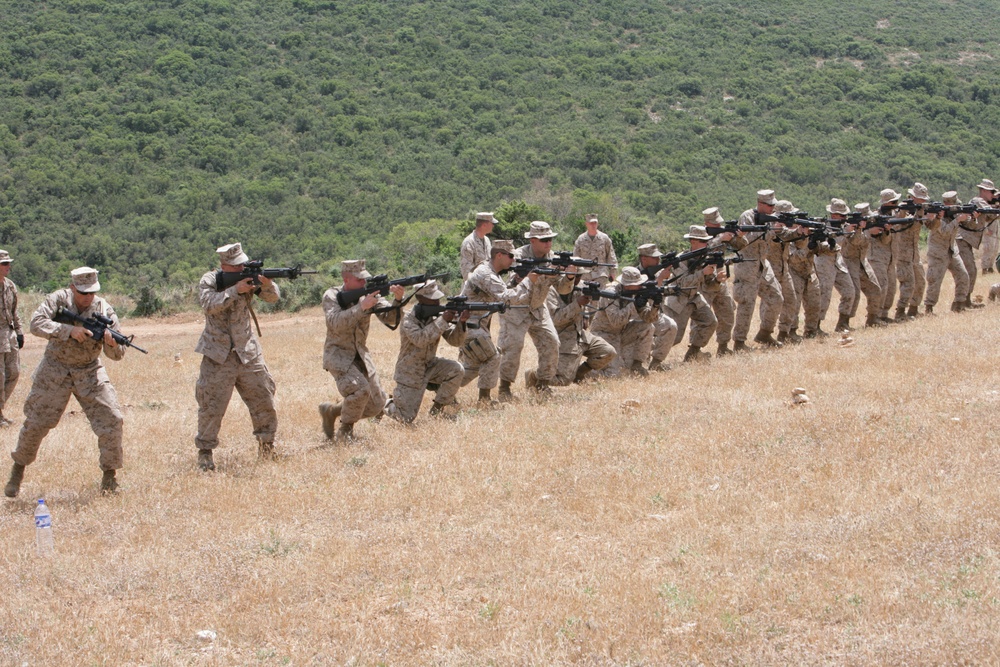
{"type": "Point", "coordinates": [460, 304]}
{"type": "Point", "coordinates": [565, 259]}
{"type": "Point", "coordinates": [254, 270]}
{"type": "Point", "coordinates": [96, 324]}
{"type": "Point", "coordinates": [350, 297]}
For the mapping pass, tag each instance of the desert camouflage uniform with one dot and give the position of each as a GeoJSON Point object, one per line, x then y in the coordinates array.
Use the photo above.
{"type": "Point", "coordinates": [802, 271]}
{"type": "Point", "coordinates": [598, 248]}
{"type": "Point", "coordinates": [689, 304]}
{"type": "Point", "coordinates": [575, 341]}
{"type": "Point", "coordinates": [753, 278]}
{"type": "Point", "coordinates": [970, 236]}
{"type": "Point", "coordinates": [990, 248]}
{"type": "Point", "coordinates": [233, 358]}
{"type": "Point", "coordinates": [942, 256]}
{"type": "Point", "coordinates": [906, 254]}
{"type": "Point", "coordinates": [418, 365]}
{"type": "Point", "coordinates": [627, 330]}
{"type": "Point", "coordinates": [474, 252]}
{"type": "Point", "coordinates": [854, 250]}
{"type": "Point", "coordinates": [347, 358]}
{"type": "Point", "coordinates": [664, 335]}
{"type": "Point", "coordinates": [883, 265]}
{"type": "Point", "coordinates": [534, 321]}
{"type": "Point", "coordinates": [832, 272]}
{"type": "Point", "coordinates": [10, 364]}
{"type": "Point", "coordinates": [485, 284]}
{"type": "Point", "coordinates": [720, 298]}
{"type": "Point", "coordinates": [777, 255]}
{"type": "Point", "coordinates": [70, 367]}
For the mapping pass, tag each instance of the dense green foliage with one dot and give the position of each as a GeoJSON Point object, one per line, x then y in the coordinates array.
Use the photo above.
{"type": "Point", "coordinates": [135, 136]}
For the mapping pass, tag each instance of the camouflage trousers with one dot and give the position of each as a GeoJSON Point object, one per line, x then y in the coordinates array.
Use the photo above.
{"type": "Point", "coordinates": [52, 385]}
{"type": "Point", "coordinates": [790, 301]}
{"type": "Point", "coordinates": [445, 373]}
{"type": "Point", "coordinates": [633, 343]}
{"type": "Point", "coordinates": [362, 393]}
{"type": "Point", "coordinates": [752, 280]}
{"type": "Point", "coordinates": [724, 308]}
{"type": "Point", "coordinates": [939, 262]}
{"type": "Point", "coordinates": [919, 281]}
{"type": "Point", "coordinates": [214, 389]}
{"type": "Point", "coordinates": [830, 277]}
{"type": "Point", "coordinates": [990, 247]}
{"type": "Point", "coordinates": [968, 256]}
{"type": "Point", "coordinates": [865, 282]}
{"type": "Point", "coordinates": [513, 328]}
{"type": "Point", "coordinates": [697, 310]}
{"type": "Point", "coordinates": [488, 371]}
{"type": "Point", "coordinates": [805, 295]}
{"type": "Point", "coordinates": [10, 367]}
{"type": "Point", "coordinates": [664, 336]}
{"type": "Point", "coordinates": [573, 349]}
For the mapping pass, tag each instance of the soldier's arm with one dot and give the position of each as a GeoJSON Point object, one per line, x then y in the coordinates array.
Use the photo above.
{"type": "Point", "coordinates": [390, 317]}
{"type": "Point", "coordinates": [269, 291]}
{"type": "Point", "coordinates": [338, 319]}
{"type": "Point", "coordinates": [565, 313]}
{"type": "Point", "coordinates": [113, 351]}
{"type": "Point", "coordinates": [213, 302]}
{"type": "Point", "coordinates": [618, 313]}
{"type": "Point", "coordinates": [42, 324]}
{"type": "Point", "coordinates": [422, 336]}
{"type": "Point", "coordinates": [649, 313]}
{"type": "Point", "coordinates": [14, 317]}
{"type": "Point", "coordinates": [455, 333]}
{"type": "Point", "coordinates": [466, 262]}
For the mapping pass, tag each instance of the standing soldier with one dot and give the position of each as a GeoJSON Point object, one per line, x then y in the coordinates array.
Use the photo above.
{"type": "Point", "coordinates": [596, 245]}
{"type": "Point", "coordinates": [345, 353]}
{"type": "Point", "coordinates": [72, 365]}
{"type": "Point", "coordinates": [233, 358]}
{"type": "Point", "coordinates": [716, 291]}
{"type": "Point", "coordinates": [576, 342]}
{"type": "Point", "coordinates": [942, 256]}
{"type": "Point", "coordinates": [855, 254]}
{"type": "Point", "coordinates": [991, 247]}
{"type": "Point", "coordinates": [12, 340]}
{"type": "Point", "coordinates": [881, 255]}
{"type": "Point", "coordinates": [479, 356]}
{"type": "Point", "coordinates": [755, 277]}
{"type": "Point", "coordinates": [689, 304]}
{"type": "Point", "coordinates": [476, 246]}
{"type": "Point", "coordinates": [906, 254]}
{"type": "Point", "coordinates": [533, 320]}
{"type": "Point", "coordinates": [777, 253]}
{"type": "Point", "coordinates": [832, 272]}
{"type": "Point", "coordinates": [418, 368]}
{"type": "Point", "coordinates": [626, 327]}
{"type": "Point", "coordinates": [805, 294]}
{"type": "Point", "coordinates": [970, 234]}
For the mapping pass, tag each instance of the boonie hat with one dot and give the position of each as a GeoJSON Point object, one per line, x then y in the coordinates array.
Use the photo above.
{"type": "Point", "coordinates": [864, 208]}
{"type": "Point", "coordinates": [430, 290]}
{"type": "Point", "coordinates": [631, 276]}
{"type": "Point", "coordinates": [785, 206]}
{"type": "Point", "coordinates": [502, 245]}
{"type": "Point", "coordinates": [649, 250]}
{"type": "Point", "coordinates": [919, 190]}
{"type": "Point", "coordinates": [949, 197]}
{"type": "Point", "coordinates": [232, 254]}
{"type": "Point", "coordinates": [838, 206]}
{"type": "Point", "coordinates": [84, 280]}
{"type": "Point", "coordinates": [888, 195]}
{"type": "Point", "coordinates": [539, 230]}
{"type": "Point", "coordinates": [713, 217]}
{"type": "Point", "coordinates": [986, 184]}
{"type": "Point", "coordinates": [766, 197]}
{"type": "Point", "coordinates": [355, 267]}
{"type": "Point", "coordinates": [698, 233]}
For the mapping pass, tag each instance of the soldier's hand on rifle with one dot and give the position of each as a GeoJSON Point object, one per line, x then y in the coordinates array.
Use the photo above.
{"type": "Point", "coordinates": [79, 334]}
{"type": "Point", "coordinates": [264, 280]}
{"type": "Point", "coordinates": [464, 317]}
{"type": "Point", "coordinates": [708, 270]}
{"type": "Point", "coordinates": [245, 285]}
{"type": "Point", "coordinates": [449, 315]}
{"type": "Point", "coordinates": [726, 237]}
{"type": "Point", "coordinates": [109, 339]}
{"type": "Point", "coordinates": [369, 301]}
{"type": "Point", "coordinates": [398, 291]}
{"type": "Point", "coordinates": [663, 274]}
{"type": "Point", "coordinates": [583, 300]}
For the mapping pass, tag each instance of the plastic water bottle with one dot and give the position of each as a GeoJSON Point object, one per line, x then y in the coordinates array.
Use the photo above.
{"type": "Point", "coordinates": [43, 529]}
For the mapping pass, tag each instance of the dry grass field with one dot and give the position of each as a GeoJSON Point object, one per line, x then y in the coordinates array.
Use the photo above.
{"type": "Point", "coordinates": [713, 524]}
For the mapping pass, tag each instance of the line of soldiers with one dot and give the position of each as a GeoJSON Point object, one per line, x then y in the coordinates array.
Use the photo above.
{"type": "Point", "coordinates": [583, 317]}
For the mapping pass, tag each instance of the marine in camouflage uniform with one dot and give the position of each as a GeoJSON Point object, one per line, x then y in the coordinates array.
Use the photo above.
{"type": "Point", "coordinates": [778, 251]}
{"type": "Point", "coordinates": [880, 252]}
{"type": "Point", "coordinates": [754, 278]}
{"type": "Point", "coordinates": [688, 303]}
{"type": "Point", "coordinates": [596, 245]}
{"type": "Point", "coordinates": [233, 358]}
{"type": "Point", "coordinates": [716, 290]}
{"type": "Point", "coordinates": [345, 353]}
{"type": "Point", "coordinates": [71, 366]}
{"type": "Point", "coordinates": [832, 272]}
{"type": "Point", "coordinates": [476, 246]}
{"type": "Point", "coordinates": [576, 342]}
{"type": "Point", "coordinates": [854, 250]}
{"type": "Point", "coordinates": [479, 356]}
{"type": "Point", "coordinates": [942, 256]}
{"type": "Point", "coordinates": [629, 330]}
{"type": "Point", "coordinates": [906, 254]}
{"type": "Point", "coordinates": [802, 270]}
{"type": "Point", "coordinates": [970, 234]}
{"type": "Point", "coordinates": [11, 336]}
{"type": "Point", "coordinates": [418, 368]}
{"type": "Point", "coordinates": [664, 328]}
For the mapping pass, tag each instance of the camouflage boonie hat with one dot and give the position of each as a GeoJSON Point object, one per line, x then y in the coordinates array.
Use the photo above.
{"type": "Point", "coordinates": [649, 250]}
{"type": "Point", "coordinates": [631, 276]}
{"type": "Point", "coordinates": [485, 216]}
{"type": "Point", "coordinates": [784, 206]}
{"type": "Point", "coordinates": [355, 267]}
{"type": "Point", "coordinates": [84, 280]}
{"type": "Point", "coordinates": [698, 233]}
{"type": "Point", "coordinates": [919, 191]}
{"type": "Point", "coordinates": [539, 230]}
{"type": "Point", "coordinates": [232, 254]}
{"type": "Point", "coordinates": [766, 197]}
{"type": "Point", "coordinates": [5, 257]}
{"type": "Point", "coordinates": [502, 245]}
{"type": "Point", "coordinates": [838, 206]}
{"type": "Point", "coordinates": [986, 184]}
{"type": "Point", "coordinates": [713, 217]}
{"type": "Point", "coordinates": [430, 290]}
{"type": "Point", "coordinates": [590, 217]}
{"type": "Point", "coordinates": [888, 196]}
{"type": "Point", "coordinates": [864, 208]}
{"type": "Point", "coordinates": [950, 197]}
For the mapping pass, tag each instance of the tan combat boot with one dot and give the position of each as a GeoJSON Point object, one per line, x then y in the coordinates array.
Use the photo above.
{"type": "Point", "coordinates": [843, 324]}
{"type": "Point", "coordinates": [345, 433]}
{"type": "Point", "coordinates": [330, 412]}
{"type": "Point", "coordinates": [782, 337]}
{"type": "Point", "coordinates": [265, 451]}
{"type": "Point", "coordinates": [957, 307]}
{"type": "Point", "coordinates": [723, 350]}
{"type": "Point", "coordinates": [530, 379]}
{"type": "Point", "coordinates": [875, 321]}
{"type": "Point", "coordinates": [741, 346]}
{"type": "Point", "coordinates": [928, 309]}
{"type": "Point", "coordinates": [108, 482]}
{"type": "Point", "coordinates": [694, 354]}
{"type": "Point", "coordinates": [205, 461]}
{"type": "Point", "coordinates": [438, 410]}
{"type": "Point", "coordinates": [969, 303]}
{"type": "Point", "coordinates": [912, 312]}
{"type": "Point", "coordinates": [582, 371]}
{"type": "Point", "coordinates": [637, 369]}
{"type": "Point", "coordinates": [766, 339]}
{"type": "Point", "coordinates": [14, 483]}
{"type": "Point", "coordinates": [657, 366]}
{"type": "Point", "coordinates": [504, 394]}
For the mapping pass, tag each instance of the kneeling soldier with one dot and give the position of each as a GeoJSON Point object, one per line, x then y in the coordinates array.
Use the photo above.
{"type": "Point", "coordinates": [575, 341]}
{"type": "Point", "coordinates": [624, 326]}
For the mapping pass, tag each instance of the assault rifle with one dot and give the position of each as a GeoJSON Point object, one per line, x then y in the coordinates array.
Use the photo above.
{"type": "Point", "coordinates": [381, 284]}
{"type": "Point", "coordinates": [674, 259]}
{"type": "Point", "coordinates": [650, 292]}
{"type": "Point", "coordinates": [460, 304]}
{"type": "Point", "coordinates": [592, 288]}
{"type": "Point", "coordinates": [96, 324]}
{"type": "Point", "coordinates": [565, 259]}
{"type": "Point", "coordinates": [254, 270]}
{"type": "Point", "coordinates": [526, 266]}
{"type": "Point", "coordinates": [733, 226]}
{"type": "Point", "coordinates": [886, 221]}
{"type": "Point", "coordinates": [720, 259]}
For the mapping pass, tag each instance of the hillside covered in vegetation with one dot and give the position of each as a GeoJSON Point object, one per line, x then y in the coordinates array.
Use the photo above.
{"type": "Point", "coordinates": [136, 136]}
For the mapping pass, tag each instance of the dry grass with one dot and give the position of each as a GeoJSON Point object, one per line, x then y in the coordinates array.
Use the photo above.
{"type": "Point", "coordinates": [715, 524]}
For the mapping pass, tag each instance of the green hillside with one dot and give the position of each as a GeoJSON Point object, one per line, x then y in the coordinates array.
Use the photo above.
{"type": "Point", "coordinates": [137, 136]}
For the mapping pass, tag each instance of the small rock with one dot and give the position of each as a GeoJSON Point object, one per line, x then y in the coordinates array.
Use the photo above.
{"type": "Point", "coordinates": [631, 405]}
{"type": "Point", "coordinates": [798, 391]}
{"type": "Point", "coordinates": [206, 635]}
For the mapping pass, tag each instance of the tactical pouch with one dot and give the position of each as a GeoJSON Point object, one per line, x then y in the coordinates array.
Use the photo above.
{"type": "Point", "coordinates": [479, 348]}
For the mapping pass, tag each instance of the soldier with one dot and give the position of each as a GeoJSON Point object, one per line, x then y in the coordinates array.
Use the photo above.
{"type": "Point", "coordinates": [689, 304]}
{"type": "Point", "coordinates": [476, 246]}
{"type": "Point", "coordinates": [778, 250]}
{"type": "Point", "coordinates": [418, 367]}
{"type": "Point", "coordinates": [717, 291]}
{"type": "Point", "coordinates": [479, 356]}
{"type": "Point", "coordinates": [970, 234]}
{"type": "Point", "coordinates": [755, 277]}
{"type": "Point", "coordinates": [13, 340]}
{"type": "Point", "coordinates": [805, 284]}
{"type": "Point", "coordinates": [832, 272]}
{"type": "Point", "coordinates": [906, 253]}
{"type": "Point", "coordinates": [576, 342]}
{"type": "Point", "coordinates": [233, 358]}
{"type": "Point", "coordinates": [665, 328]}
{"type": "Point", "coordinates": [345, 352]}
{"type": "Point", "coordinates": [880, 253]}
{"type": "Point", "coordinates": [990, 248]}
{"type": "Point", "coordinates": [942, 255]}
{"type": "Point", "coordinates": [854, 250]}
{"type": "Point", "coordinates": [72, 365]}
{"type": "Point", "coordinates": [625, 326]}
{"type": "Point", "coordinates": [533, 320]}
{"type": "Point", "coordinates": [596, 245]}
